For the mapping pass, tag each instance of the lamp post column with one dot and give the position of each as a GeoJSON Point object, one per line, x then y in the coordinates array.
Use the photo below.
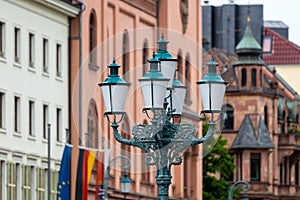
{"type": "Point", "coordinates": [163, 176]}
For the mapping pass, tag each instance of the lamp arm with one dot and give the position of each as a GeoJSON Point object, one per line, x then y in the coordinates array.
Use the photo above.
{"type": "Point", "coordinates": [131, 142]}
{"type": "Point", "coordinates": [209, 134]}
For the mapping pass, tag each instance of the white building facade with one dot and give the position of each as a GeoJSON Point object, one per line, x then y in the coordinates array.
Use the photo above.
{"type": "Point", "coordinates": [34, 71]}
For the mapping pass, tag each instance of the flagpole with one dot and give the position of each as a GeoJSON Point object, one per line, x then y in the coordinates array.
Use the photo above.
{"type": "Point", "coordinates": [49, 163]}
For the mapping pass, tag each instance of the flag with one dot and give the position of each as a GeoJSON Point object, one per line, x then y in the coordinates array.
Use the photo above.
{"type": "Point", "coordinates": [100, 191]}
{"type": "Point", "coordinates": [79, 181]}
{"type": "Point", "coordinates": [91, 161]}
{"type": "Point", "coordinates": [85, 175]}
{"type": "Point", "coordinates": [63, 186]}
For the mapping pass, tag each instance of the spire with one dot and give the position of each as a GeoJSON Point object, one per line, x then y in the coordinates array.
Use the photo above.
{"type": "Point", "coordinates": [248, 49]}
{"type": "Point", "coordinates": [248, 43]}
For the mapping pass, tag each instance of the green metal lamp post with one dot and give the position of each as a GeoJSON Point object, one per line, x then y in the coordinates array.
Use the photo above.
{"type": "Point", "coordinates": [244, 185]}
{"type": "Point", "coordinates": [163, 140]}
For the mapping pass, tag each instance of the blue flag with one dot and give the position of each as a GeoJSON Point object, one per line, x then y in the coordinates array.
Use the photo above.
{"type": "Point", "coordinates": [63, 187]}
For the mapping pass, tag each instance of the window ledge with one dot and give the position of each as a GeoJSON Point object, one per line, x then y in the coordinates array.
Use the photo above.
{"type": "Point", "coordinates": [58, 143]}
{"type": "Point", "coordinates": [32, 138]}
{"type": "Point", "coordinates": [59, 78]}
{"type": "Point", "coordinates": [17, 65]}
{"type": "Point", "coordinates": [31, 69]}
{"type": "Point", "coordinates": [3, 130]}
{"type": "Point", "coordinates": [45, 140]}
{"type": "Point", "coordinates": [17, 134]}
{"type": "Point", "coordinates": [93, 66]}
{"type": "Point", "coordinates": [46, 74]}
{"type": "Point", "coordinates": [3, 59]}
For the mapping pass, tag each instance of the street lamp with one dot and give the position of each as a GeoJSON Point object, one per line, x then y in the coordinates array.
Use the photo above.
{"type": "Point", "coordinates": [244, 185]}
{"type": "Point", "coordinates": [163, 140]}
{"type": "Point", "coordinates": [125, 181]}
{"type": "Point", "coordinates": [125, 184]}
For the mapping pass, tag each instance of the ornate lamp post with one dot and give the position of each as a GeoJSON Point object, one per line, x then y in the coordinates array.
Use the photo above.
{"type": "Point", "coordinates": [163, 140]}
{"type": "Point", "coordinates": [244, 185]}
{"type": "Point", "coordinates": [124, 163]}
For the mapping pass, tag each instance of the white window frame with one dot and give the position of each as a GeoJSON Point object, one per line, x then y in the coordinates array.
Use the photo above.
{"type": "Point", "coordinates": [27, 182]}
{"type": "Point", "coordinates": [31, 49]}
{"type": "Point", "coordinates": [58, 59]}
{"type": "Point", "coordinates": [11, 180]}
{"type": "Point", "coordinates": [17, 44]}
{"type": "Point", "coordinates": [59, 124]}
{"type": "Point", "coordinates": [40, 183]}
{"type": "Point", "coordinates": [3, 39]}
{"type": "Point", "coordinates": [45, 55]}
{"type": "Point", "coordinates": [2, 109]}
{"type": "Point", "coordinates": [45, 120]}
{"type": "Point", "coordinates": [17, 114]}
{"type": "Point", "coordinates": [31, 117]}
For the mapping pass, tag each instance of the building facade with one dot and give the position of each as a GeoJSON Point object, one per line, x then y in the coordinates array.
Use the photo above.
{"type": "Point", "coordinates": [261, 125]}
{"type": "Point", "coordinates": [223, 26]}
{"type": "Point", "coordinates": [128, 31]}
{"type": "Point", "coordinates": [33, 93]}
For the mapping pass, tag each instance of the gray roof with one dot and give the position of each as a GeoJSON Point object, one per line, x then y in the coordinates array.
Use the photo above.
{"type": "Point", "coordinates": [274, 24]}
{"type": "Point", "coordinates": [253, 135]}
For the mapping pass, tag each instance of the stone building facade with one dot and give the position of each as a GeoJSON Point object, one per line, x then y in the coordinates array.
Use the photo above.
{"type": "Point", "coordinates": [261, 125]}
{"type": "Point", "coordinates": [128, 31]}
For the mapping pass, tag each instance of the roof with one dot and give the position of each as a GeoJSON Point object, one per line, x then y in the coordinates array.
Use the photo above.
{"type": "Point", "coordinates": [283, 50]}
{"type": "Point", "coordinates": [248, 41]}
{"type": "Point", "coordinates": [274, 24]}
{"type": "Point", "coordinates": [253, 134]}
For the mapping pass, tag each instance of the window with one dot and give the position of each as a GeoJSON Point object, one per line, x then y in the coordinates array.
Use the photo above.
{"type": "Point", "coordinates": [244, 77]}
{"type": "Point", "coordinates": [145, 56]}
{"type": "Point", "coordinates": [58, 60]}
{"type": "Point", "coordinates": [267, 45]}
{"type": "Point", "coordinates": [179, 65]}
{"type": "Point", "coordinates": [187, 79]}
{"type": "Point", "coordinates": [92, 38]}
{"type": "Point", "coordinates": [26, 182]}
{"type": "Point", "coordinates": [45, 120]}
{"type": "Point", "coordinates": [228, 117]}
{"type": "Point", "coordinates": [2, 39]}
{"type": "Point", "coordinates": [2, 176]}
{"type": "Point", "coordinates": [45, 55]}
{"type": "Point", "coordinates": [11, 181]}
{"type": "Point", "coordinates": [54, 181]}
{"type": "Point", "coordinates": [17, 44]}
{"type": "Point", "coordinates": [31, 50]}
{"type": "Point", "coordinates": [2, 110]}
{"type": "Point", "coordinates": [92, 134]}
{"type": "Point", "coordinates": [31, 118]}
{"type": "Point", "coordinates": [17, 113]}
{"type": "Point", "coordinates": [40, 183]}
{"type": "Point", "coordinates": [255, 166]}
{"type": "Point", "coordinates": [253, 77]}
{"type": "Point", "coordinates": [266, 116]}
{"type": "Point", "coordinates": [58, 125]}
{"type": "Point", "coordinates": [125, 53]}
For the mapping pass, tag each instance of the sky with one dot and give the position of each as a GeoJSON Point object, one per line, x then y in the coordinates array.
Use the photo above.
{"type": "Point", "coordinates": [285, 11]}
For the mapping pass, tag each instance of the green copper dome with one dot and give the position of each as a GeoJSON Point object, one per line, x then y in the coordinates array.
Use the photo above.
{"type": "Point", "coordinates": [248, 41]}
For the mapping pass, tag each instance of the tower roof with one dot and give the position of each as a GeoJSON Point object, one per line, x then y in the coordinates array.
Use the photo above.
{"type": "Point", "coordinates": [253, 134]}
{"type": "Point", "coordinates": [248, 43]}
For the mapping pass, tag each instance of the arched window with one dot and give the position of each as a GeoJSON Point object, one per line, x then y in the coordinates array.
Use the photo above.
{"type": "Point", "coordinates": [266, 115]}
{"type": "Point", "coordinates": [91, 139]}
{"type": "Point", "coordinates": [253, 78]}
{"type": "Point", "coordinates": [92, 37]}
{"type": "Point", "coordinates": [145, 169]}
{"type": "Point", "coordinates": [145, 56]}
{"type": "Point", "coordinates": [228, 117]}
{"type": "Point", "coordinates": [244, 77]}
{"type": "Point", "coordinates": [179, 65]}
{"type": "Point", "coordinates": [187, 78]}
{"type": "Point", "coordinates": [125, 53]}
{"type": "Point", "coordinates": [125, 132]}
